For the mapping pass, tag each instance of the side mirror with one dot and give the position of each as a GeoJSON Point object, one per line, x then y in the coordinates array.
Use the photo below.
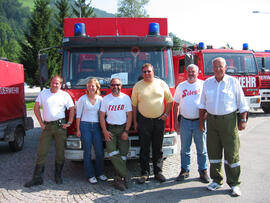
{"type": "Point", "coordinates": [189, 59]}
{"type": "Point", "coordinates": [43, 68]}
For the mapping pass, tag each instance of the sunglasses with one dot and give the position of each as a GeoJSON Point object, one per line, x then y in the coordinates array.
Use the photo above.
{"type": "Point", "coordinates": [147, 71]}
{"type": "Point", "coordinates": [114, 85]}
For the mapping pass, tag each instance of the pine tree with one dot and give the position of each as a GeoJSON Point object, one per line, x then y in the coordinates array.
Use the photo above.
{"type": "Point", "coordinates": [62, 12]}
{"type": "Point", "coordinates": [38, 36]}
{"type": "Point", "coordinates": [81, 9]}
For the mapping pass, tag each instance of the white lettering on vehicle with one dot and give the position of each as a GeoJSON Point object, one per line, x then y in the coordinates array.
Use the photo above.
{"type": "Point", "coordinates": [265, 77]}
{"type": "Point", "coordinates": [247, 81]}
{"type": "Point", "coordinates": [9, 90]}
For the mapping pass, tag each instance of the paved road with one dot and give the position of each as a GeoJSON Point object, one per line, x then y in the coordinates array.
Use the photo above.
{"type": "Point", "coordinates": [16, 169]}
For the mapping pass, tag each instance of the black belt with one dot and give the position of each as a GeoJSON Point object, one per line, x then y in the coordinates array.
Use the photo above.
{"type": "Point", "coordinates": [115, 125]}
{"type": "Point", "coordinates": [221, 116]}
{"type": "Point", "coordinates": [195, 119]}
{"type": "Point", "coordinates": [59, 121]}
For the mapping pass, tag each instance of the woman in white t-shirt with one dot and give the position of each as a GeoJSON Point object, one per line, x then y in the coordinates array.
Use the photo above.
{"type": "Point", "coordinates": [88, 129]}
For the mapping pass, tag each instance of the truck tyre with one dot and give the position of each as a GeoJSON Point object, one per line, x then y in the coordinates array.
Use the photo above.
{"type": "Point", "coordinates": [266, 107]}
{"type": "Point", "coordinates": [17, 144]}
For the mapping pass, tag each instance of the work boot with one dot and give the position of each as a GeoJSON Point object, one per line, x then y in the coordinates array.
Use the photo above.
{"type": "Point", "coordinates": [58, 173]}
{"type": "Point", "coordinates": [160, 177]}
{"type": "Point", "coordinates": [118, 183]}
{"type": "Point", "coordinates": [127, 181]}
{"type": "Point", "coordinates": [37, 178]}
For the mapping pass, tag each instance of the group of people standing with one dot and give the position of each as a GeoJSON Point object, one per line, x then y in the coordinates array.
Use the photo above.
{"type": "Point", "coordinates": [215, 100]}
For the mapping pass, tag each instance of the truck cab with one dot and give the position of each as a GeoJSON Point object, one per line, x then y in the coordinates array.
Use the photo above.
{"type": "Point", "coordinates": [240, 64]}
{"type": "Point", "coordinates": [263, 61]}
{"type": "Point", "coordinates": [104, 48]}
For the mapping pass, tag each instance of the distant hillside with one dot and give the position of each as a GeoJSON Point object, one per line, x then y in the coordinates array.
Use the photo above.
{"type": "Point", "coordinates": [99, 13]}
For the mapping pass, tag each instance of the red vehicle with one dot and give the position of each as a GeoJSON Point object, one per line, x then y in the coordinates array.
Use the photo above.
{"type": "Point", "coordinates": [240, 64]}
{"type": "Point", "coordinates": [115, 47]}
{"type": "Point", "coordinates": [13, 119]}
{"type": "Point", "coordinates": [263, 61]}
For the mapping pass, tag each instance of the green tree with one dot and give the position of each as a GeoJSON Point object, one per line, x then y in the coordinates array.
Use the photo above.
{"type": "Point", "coordinates": [62, 12]}
{"type": "Point", "coordinates": [12, 50]}
{"type": "Point", "coordinates": [81, 9]}
{"type": "Point", "coordinates": [37, 36]}
{"type": "Point", "coordinates": [132, 8]}
{"type": "Point", "coordinates": [178, 43]}
{"type": "Point", "coordinates": [6, 33]}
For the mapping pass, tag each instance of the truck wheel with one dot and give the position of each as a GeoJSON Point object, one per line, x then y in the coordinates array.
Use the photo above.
{"type": "Point", "coordinates": [266, 108]}
{"type": "Point", "coordinates": [17, 144]}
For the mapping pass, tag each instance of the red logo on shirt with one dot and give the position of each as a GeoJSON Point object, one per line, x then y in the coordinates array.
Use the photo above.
{"type": "Point", "coordinates": [188, 93]}
{"type": "Point", "coordinates": [116, 107]}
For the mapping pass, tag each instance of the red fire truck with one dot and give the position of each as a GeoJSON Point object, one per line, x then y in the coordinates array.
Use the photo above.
{"type": "Point", "coordinates": [240, 64]}
{"type": "Point", "coordinates": [263, 61]}
{"type": "Point", "coordinates": [115, 47]}
{"type": "Point", "coordinates": [13, 119]}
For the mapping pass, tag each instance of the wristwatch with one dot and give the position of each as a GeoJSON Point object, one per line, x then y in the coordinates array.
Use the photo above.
{"type": "Point", "coordinates": [69, 123]}
{"type": "Point", "coordinates": [243, 120]}
{"type": "Point", "coordinates": [166, 115]}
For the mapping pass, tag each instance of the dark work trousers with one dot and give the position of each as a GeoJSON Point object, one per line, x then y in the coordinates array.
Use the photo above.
{"type": "Point", "coordinates": [151, 131]}
{"type": "Point", "coordinates": [53, 131]}
{"type": "Point", "coordinates": [222, 135]}
{"type": "Point", "coordinates": [118, 149]}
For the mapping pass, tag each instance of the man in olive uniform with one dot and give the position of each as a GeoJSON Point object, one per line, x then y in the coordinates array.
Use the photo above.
{"type": "Point", "coordinates": [54, 127]}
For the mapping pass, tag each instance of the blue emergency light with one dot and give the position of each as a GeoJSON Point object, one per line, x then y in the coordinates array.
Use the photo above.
{"type": "Point", "coordinates": [245, 46]}
{"type": "Point", "coordinates": [153, 29]}
{"type": "Point", "coordinates": [267, 50]}
{"type": "Point", "coordinates": [79, 29]}
{"type": "Point", "coordinates": [201, 45]}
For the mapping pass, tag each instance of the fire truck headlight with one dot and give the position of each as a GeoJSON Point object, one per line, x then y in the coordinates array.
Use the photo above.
{"type": "Point", "coordinates": [255, 100]}
{"type": "Point", "coordinates": [168, 141]}
{"type": "Point", "coordinates": [73, 143]}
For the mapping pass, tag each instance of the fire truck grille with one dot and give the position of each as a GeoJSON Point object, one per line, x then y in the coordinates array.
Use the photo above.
{"type": "Point", "coordinates": [265, 84]}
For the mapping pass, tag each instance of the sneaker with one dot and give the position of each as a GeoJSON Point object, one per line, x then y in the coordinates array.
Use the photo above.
{"type": "Point", "coordinates": [143, 178]}
{"type": "Point", "coordinates": [183, 175]}
{"type": "Point", "coordinates": [204, 176]}
{"type": "Point", "coordinates": [236, 191]}
{"type": "Point", "coordinates": [214, 186]}
{"type": "Point", "coordinates": [118, 184]}
{"type": "Point", "coordinates": [92, 180]}
{"type": "Point", "coordinates": [159, 177]}
{"type": "Point", "coordinates": [102, 177]}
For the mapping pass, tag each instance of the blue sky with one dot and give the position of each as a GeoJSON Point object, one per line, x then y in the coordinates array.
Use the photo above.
{"type": "Point", "coordinates": [215, 22]}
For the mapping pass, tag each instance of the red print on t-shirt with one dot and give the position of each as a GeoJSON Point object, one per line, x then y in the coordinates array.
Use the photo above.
{"type": "Point", "coordinates": [118, 107]}
{"type": "Point", "coordinates": [189, 92]}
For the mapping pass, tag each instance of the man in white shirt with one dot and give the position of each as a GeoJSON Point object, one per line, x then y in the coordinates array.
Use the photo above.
{"type": "Point", "coordinates": [187, 97]}
{"type": "Point", "coordinates": [54, 127]}
{"type": "Point", "coordinates": [117, 107]}
{"type": "Point", "coordinates": [222, 96]}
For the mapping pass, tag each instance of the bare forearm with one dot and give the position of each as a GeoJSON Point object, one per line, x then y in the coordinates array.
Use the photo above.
{"type": "Point", "coordinates": [168, 108]}
{"type": "Point", "coordinates": [71, 114]}
{"type": "Point", "coordinates": [129, 120]}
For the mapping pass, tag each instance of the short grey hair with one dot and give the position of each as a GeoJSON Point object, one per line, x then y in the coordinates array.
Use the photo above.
{"type": "Point", "coordinates": [219, 59]}
{"type": "Point", "coordinates": [193, 66]}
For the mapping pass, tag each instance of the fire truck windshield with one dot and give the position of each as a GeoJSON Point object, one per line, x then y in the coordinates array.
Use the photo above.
{"type": "Point", "coordinates": [105, 63]}
{"type": "Point", "coordinates": [237, 63]}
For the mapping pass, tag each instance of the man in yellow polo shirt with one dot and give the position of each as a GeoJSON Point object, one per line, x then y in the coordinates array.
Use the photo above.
{"type": "Point", "coordinates": [149, 119]}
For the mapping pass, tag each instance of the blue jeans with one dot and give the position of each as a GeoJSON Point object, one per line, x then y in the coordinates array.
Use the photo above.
{"type": "Point", "coordinates": [189, 129]}
{"type": "Point", "coordinates": [91, 135]}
